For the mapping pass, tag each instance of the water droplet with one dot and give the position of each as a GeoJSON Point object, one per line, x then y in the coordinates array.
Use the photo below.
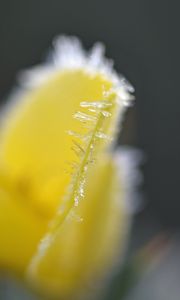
{"type": "Point", "coordinates": [74, 216]}
{"type": "Point", "coordinates": [102, 135]}
{"type": "Point", "coordinates": [76, 200]}
{"type": "Point", "coordinates": [81, 191]}
{"type": "Point", "coordinates": [75, 134]}
{"type": "Point", "coordinates": [96, 104]}
{"type": "Point", "coordinates": [84, 117]}
{"type": "Point", "coordinates": [106, 114]}
{"type": "Point", "coordinates": [44, 243]}
{"type": "Point", "coordinates": [106, 93]}
{"type": "Point", "coordinates": [92, 110]}
{"type": "Point", "coordinates": [83, 137]}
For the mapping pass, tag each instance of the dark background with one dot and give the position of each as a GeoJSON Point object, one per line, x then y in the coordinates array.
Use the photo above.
{"type": "Point", "coordinates": [142, 36]}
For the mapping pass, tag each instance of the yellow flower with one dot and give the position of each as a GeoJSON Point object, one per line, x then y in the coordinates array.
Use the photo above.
{"type": "Point", "coordinates": [62, 212]}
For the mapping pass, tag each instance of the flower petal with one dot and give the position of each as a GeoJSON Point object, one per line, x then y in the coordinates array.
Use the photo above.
{"type": "Point", "coordinates": [89, 241]}
{"type": "Point", "coordinates": [20, 229]}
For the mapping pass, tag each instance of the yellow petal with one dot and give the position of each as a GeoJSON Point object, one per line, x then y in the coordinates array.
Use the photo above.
{"type": "Point", "coordinates": [20, 229]}
{"type": "Point", "coordinates": [80, 252]}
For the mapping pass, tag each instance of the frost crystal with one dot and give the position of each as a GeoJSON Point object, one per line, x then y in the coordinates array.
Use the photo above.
{"type": "Point", "coordinates": [69, 54]}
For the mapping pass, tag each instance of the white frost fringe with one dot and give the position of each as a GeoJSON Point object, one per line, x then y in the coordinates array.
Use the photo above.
{"type": "Point", "coordinates": [68, 53]}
